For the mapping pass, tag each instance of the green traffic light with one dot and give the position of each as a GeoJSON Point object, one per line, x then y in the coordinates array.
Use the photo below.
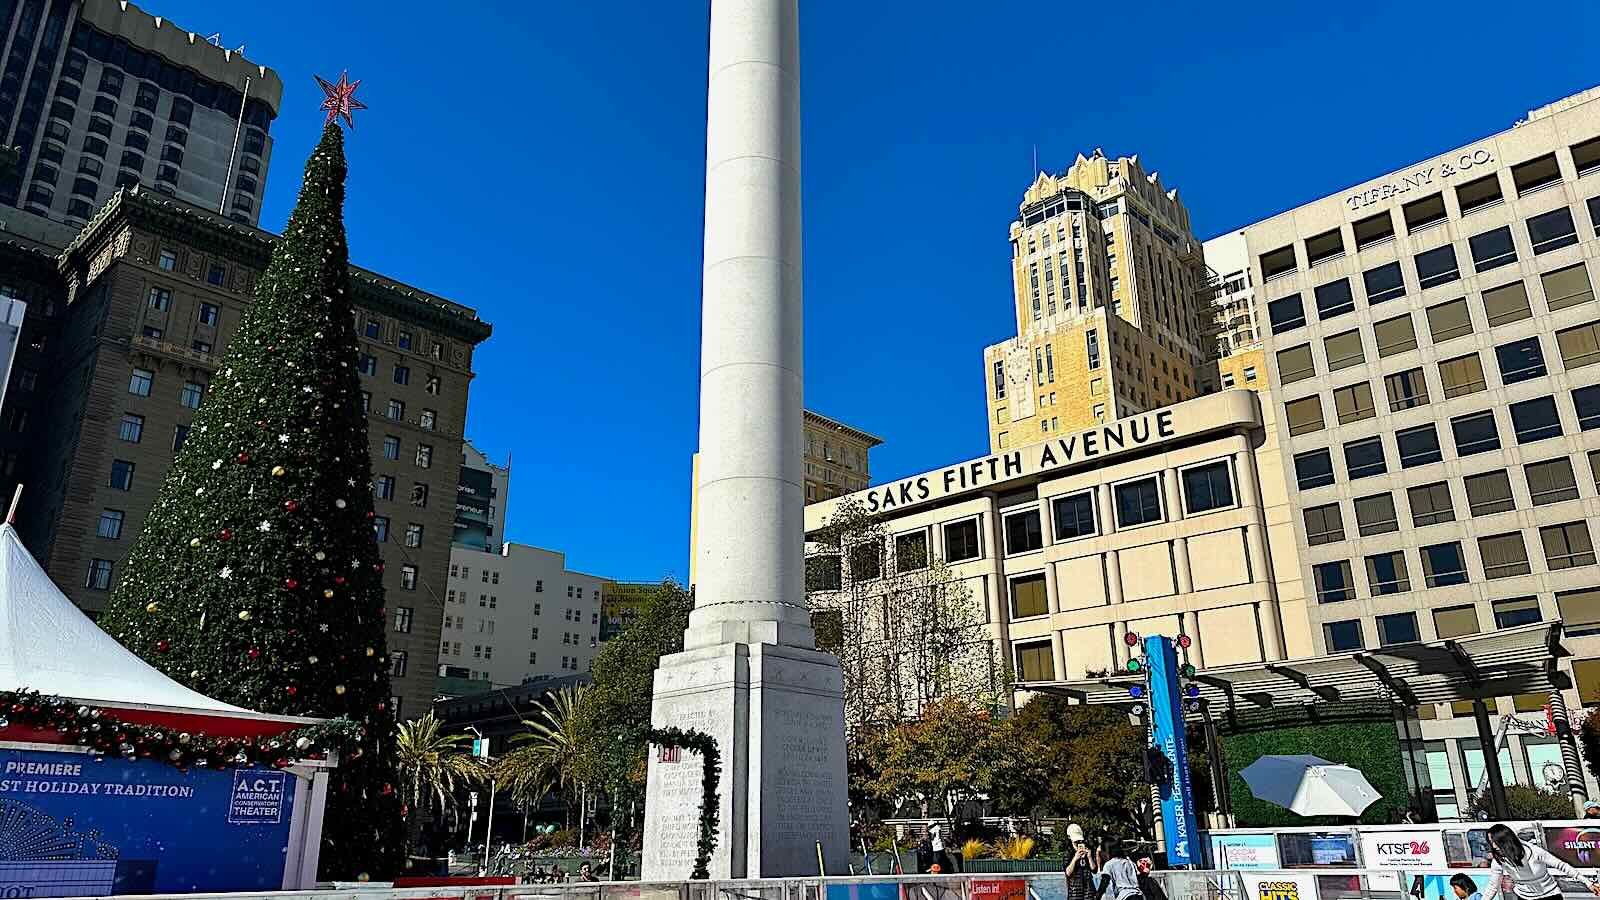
{"type": "Point", "coordinates": [1134, 665]}
{"type": "Point", "coordinates": [1188, 670]}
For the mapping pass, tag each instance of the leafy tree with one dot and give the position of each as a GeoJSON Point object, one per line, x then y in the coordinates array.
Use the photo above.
{"type": "Point", "coordinates": [433, 765]}
{"type": "Point", "coordinates": [1524, 803]}
{"type": "Point", "coordinates": [256, 578]}
{"type": "Point", "coordinates": [1085, 762]}
{"type": "Point", "coordinates": [950, 752]}
{"type": "Point", "coordinates": [905, 627]}
{"type": "Point", "coordinates": [545, 757]}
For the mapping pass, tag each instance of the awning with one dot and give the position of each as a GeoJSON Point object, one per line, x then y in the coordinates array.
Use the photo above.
{"type": "Point", "coordinates": [1502, 663]}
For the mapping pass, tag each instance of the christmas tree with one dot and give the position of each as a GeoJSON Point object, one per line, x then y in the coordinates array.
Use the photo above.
{"type": "Point", "coordinates": [256, 579]}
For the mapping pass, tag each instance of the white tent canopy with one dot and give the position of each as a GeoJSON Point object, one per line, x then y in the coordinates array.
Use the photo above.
{"type": "Point", "coordinates": [48, 645]}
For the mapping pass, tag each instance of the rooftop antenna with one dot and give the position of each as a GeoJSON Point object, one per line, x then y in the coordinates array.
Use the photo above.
{"type": "Point", "coordinates": [1035, 173]}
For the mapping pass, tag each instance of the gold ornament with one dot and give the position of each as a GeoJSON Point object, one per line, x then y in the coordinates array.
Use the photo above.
{"type": "Point", "coordinates": [328, 594]}
{"type": "Point", "coordinates": [369, 651]}
{"type": "Point", "coordinates": [312, 660]}
{"type": "Point", "coordinates": [244, 615]}
{"type": "Point", "coordinates": [152, 606]}
{"type": "Point", "coordinates": [194, 542]}
{"type": "Point", "coordinates": [338, 689]}
{"type": "Point", "coordinates": [278, 471]}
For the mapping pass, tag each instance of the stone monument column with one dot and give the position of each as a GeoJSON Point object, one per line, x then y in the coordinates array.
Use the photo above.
{"type": "Point", "coordinates": [749, 674]}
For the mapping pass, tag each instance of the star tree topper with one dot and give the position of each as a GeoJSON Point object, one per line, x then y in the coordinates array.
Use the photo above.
{"type": "Point", "coordinates": [341, 100]}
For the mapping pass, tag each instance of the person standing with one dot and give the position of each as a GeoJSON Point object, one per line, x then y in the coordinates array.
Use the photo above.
{"type": "Point", "coordinates": [1119, 877]}
{"type": "Point", "coordinates": [1591, 809]}
{"type": "Point", "coordinates": [940, 857]}
{"type": "Point", "coordinates": [1080, 870]}
{"type": "Point", "coordinates": [1532, 869]}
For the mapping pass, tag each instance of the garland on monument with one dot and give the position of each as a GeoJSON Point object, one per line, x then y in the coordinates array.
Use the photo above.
{"type": "Point", "coordinates": [706, 746]}
{"type": "Point", "coordinates": [104, 734]}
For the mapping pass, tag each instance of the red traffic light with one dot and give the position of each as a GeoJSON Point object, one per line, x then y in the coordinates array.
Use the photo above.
{"type": "Point", "coordinates": [1131, 639]}
{"type": "Point", "coordinates": [1184, 641]}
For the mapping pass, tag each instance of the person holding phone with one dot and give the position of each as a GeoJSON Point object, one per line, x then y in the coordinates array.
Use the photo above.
{"type": "Point", "coordinates": [1532, 869]}
{"type": "Point", "coordinates": [1080, 869]}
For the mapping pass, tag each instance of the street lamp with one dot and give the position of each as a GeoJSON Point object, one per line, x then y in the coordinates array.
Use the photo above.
{"type": "Point", "coordinates": [480, 749]}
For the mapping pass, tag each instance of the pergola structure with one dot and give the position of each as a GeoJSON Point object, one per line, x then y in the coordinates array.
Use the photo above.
{"type": "Point", "coordinates": [1478, 668]}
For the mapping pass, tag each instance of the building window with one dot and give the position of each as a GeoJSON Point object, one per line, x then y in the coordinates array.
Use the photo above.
{"type": "Point", "coordinates": [402, 374]}
{"type": "Point", "coordinates": [1444, 565]}
{"type": "Point", "coordinates": [1504, 555]}
{"type": "Point", "coordinates": [1430, 504]}
{"type": "Point", "coordinates": [192, 394]}
{"type": "Point", "coordinates": [1437, 266]}
{"type": "Point", "coordinates": [99, 575]}
{"type": "Point", "coordinates": [1353, 403]}
{"type": "Point", "coordinates": [1566, 287]}
{"type": "Point", "coordinates": [1507, 303]}
{"type": "Point", "coordinates": [201, 347]}
{"type": "Point", "coordinates": [1324, 525]}
{"type": "Point", "coordinates": [413, 535]}
{"type": "Point", "coordinates": [1373, 230]}
{"type": "Point", "coordinates": [1552, 231]}
{"type": "Point", "coordinates": [1277, 263]}
{"type": "Point", "coordinates": [373, 329]}
{"type": "Point", "coordinates": [1024, 532]}
{"type": "Point", "coordinates": [1489, 493]}
{"type": "Point", "coordinates": [1091, 340]}
{"type": "Point", "coordinates": [1384, 283]}
{"type": "Point", "coordinates": [911, 551]}
{"type": "Point", "coordinates": [1323, 247]}
{"type": "Point", "coordinates": [380, 528]}
{"type": "Point", "coordinates": [1579, 346]}
{"type": "Point", "coordinates": [999, 380]}
{"type": "Point", "coordinates": [1448, 321]}
{"type": "Point", "coordinates": [131, 429]}
{"type": "Point", "coordinates": [1364, 458]}
{"type": "Point", "coordinates": [1313, 469]}
{"type": "Point", "coordinates": [1520, 360]}
{"type": "Point", "coordinates": [1344, 350]}
{"type": "Point", "coordinates": [424, 456]}
{"type": "Point", "coordinates": [1535, 420]}
{"type": "Point", "coordinates": [1343, 637]}
{"type": "Point", "coordinates": [1475, 433]}
{"type": "Point", "coordinates": [1419, 446]}
{"type": "Point", "coordinates": [1479, 194]}
{"type": "Point", "coordinates": [368, 364]}
{"type": "Point", "coordinates": [1386, 574]}
{"type": "Point", "coordinates": [1580, 611]}
{"type": "Point", "coordinates": [427, 420]}
{"type": "Point", "coordinates": [1551, 481]}
{"type": "Point", "coordinates": [1406, 389]}
{"type": "Point", "coordinates": [396, 410]}
{"type": "Point", "coordinates": [1511, 613]}
{"type": "Point", "coordinates": [1296, 364]}
{"type": "Point", "coordinates": [408, 577]}
{"type": "Point", "coordinates": [1455, 621]}
{"type": "Point", "coordinates": [216, 274]}
{"type": "Point", "coordinates": [391, 447]}
{"type": "Point", "coordinates": [402, 619]}
{"type": "Point", "coordinates": [160, 299]}
{"type": "Point", "coordinates": [1462, 376]}
{"type": "Point", "coordinates": [1376, 515]}
{"type": "Point", "coordinates": [1400, 628]}
{"type": "Point", "coordinates": [139, 384]}
{"type": "Point", "coordinates": [432, 385]}
{"type": "Point", "coordinates": [1567, 546]}
{"type": "Point", "coordinates": [866, 563]}
{"type": "Point", "coordinates": [1304, 415]}
{"type": "Point", "coordinates": [1207, 487]}
{"type": "Point", "coordinates": [1286, 313]}
{"type": "Point", "coordinates": [1587, 403]}
{"type": "Point", "coordinates": [397, 666]}
{"type": "Point", "coordinates": [384, 487]}
{"type": "Point", "coordinates": [180, 434]}
{"type": "Point", "coordinates": [110, 526]}
{"type": "Point", "coordinates": [1035, 662]}
{"type": "Point", "coordinates": [1395, 335]}
{"type": "Point", "coordinates": [1028, 597]}
{"type": "Point", "coordinates": [1138, 502]}
{"type": "Point", "coordinates": [121, 474]}
{"type": "Point", "coordinates": [1334, 299]}
{"type": "Point", "coordinates": [961, 541]}
{"type": "Point", "coordinates": [823, 573]}
{"type": "Point", "coordinates": [1492, 249]}
{"type": "Point", "coordinates": [1074, 516]}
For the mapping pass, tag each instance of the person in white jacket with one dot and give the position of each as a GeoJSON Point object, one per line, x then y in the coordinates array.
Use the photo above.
{"type": "Point", "coordinates": [1532, 869]}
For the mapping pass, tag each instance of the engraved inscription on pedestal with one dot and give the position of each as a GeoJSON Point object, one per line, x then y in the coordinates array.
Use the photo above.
{"type": "Point", "coordinates": [800, 785]}
{"type": "Point", "coordinates": [677, 794]}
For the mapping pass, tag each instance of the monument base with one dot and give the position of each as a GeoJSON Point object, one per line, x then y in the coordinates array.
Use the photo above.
{"type": "Point", "coordinates": [777, 714]}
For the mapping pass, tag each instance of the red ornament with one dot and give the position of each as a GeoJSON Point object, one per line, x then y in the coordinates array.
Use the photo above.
{"type": "Point", "coordinates": [291, 690]}
{"type": "Point", "coordinates": [380, 707]}
{"type": "Point", "coordinates": [338, 579]}
{"type": "Point", "coordinates": [388, 789]}
{"type": "Point", "coordinates": [290, 584]}
{"type": "Point", "coordinates": [225, 534]}
{"type": "Point", "coordinates": [370, 514]}
{"type": "Point", "coordinates": [163, 645]}
{"type": "Point", "coordinates": [290, 505]}
{"type": "Point", "coordinates": [243, 458]}
{"type": "Point", "coordinates": [254, 653]}
{"type": "Point", "coordinates": [340, 99]}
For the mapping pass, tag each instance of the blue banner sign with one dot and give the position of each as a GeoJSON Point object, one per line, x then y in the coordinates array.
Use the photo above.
{"type": "Point", "coordinates": [72, 825]}
{"type": "Point", "coordinates": [1178, 822]}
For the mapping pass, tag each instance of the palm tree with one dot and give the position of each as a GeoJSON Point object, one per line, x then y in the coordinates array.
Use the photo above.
{"type": "Point", "coordinates": [434, 764]}
{"type": "Point", "coordinates": [544, 757]}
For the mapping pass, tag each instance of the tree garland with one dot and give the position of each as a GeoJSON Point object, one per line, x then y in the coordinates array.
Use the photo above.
{"type": "Point", "coordinates": [106, 735]}
{"type": "Point", "coordinates": [706, 746]}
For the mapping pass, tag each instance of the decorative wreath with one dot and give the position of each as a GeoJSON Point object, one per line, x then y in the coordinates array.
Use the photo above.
{"type": "Point", "coordinates": [706, 746]}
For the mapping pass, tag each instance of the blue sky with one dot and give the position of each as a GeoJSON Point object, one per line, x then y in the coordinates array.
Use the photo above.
{"type": "Point", "coordinates": [542, 162]}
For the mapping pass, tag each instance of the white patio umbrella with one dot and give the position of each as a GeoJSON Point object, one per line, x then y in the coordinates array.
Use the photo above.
{"type": "Point", "coordinates": [1309, 785]}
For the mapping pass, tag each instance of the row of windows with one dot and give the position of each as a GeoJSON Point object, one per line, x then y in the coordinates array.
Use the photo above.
{"type": "Point", "coordinates": [1471, 196]}
{"type": "Point", "coordinates": [459, 571]}
{"type": "Point", "coordinates": [1205, 488]}
{"type": "Point", "coordinates": [1579, 611]}
{"type": "Point", "coordinates": [403, 339]}
{"type": "Point", "coordinates": [142, 382]}
{"type": "Point", "coordinates": [1502, 305]}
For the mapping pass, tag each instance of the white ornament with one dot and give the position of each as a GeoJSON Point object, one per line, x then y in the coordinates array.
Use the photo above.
{"type": "Point", "coordinates": [216, 464]}
{"type": "Point", "coordinates": [283, 438]}
{"type": "Point", "coordinates": [323, 628]}
{"type": "Point", "coordinates": [226, 572]}
{"type": "Point", "coordinates": [339, 503]}
{"type": "Point", "coordinates": [264, 527]}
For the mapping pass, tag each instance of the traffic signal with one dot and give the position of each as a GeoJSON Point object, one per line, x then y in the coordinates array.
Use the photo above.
{"type": "Point", "coordinates": [1157, 768]}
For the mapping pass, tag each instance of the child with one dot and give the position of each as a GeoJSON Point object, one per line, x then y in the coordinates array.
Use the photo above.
{"type": "Point", "coordinates": [1464, 887]}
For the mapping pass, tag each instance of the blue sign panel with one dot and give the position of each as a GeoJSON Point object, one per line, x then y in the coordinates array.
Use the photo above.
{"type": "Point", "coordinates": [72, 825]}
{"type": "Point", "coordinates": [1166, 717]}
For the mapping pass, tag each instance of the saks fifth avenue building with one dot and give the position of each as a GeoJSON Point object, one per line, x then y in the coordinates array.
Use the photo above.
{"type": "Point", "coordinates": [1176, 521]}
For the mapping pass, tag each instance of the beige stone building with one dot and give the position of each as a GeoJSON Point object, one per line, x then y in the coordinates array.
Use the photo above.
{"type": "Point", "coordinates": [1434, 353]}
{"type": "Point", "coordinates": [1170, 521]}
{"type": "Point", "coordinates": [1236, 319]}
{"type": "Point", "coordinates": [837, 461]}
{"type": "Point", "coordinates": [1108, 283]}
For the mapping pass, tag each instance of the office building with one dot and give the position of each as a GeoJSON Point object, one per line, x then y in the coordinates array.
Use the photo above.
{"type": "Point", "coordinates": [98, 94]}
{"type": "Point", "coordinates": [837, 461]}
{"type": "Point", "coordinates": [131, 331]}
{"type": "Point", "coordinates": [518, 613]}
{"type": "Point", "coordinates": [1434, 353]}
{"type": "Point", "coordinates": [1110, 309]}
{"type": "Point", "coordinates": [481, 496]}
{"type": "Point", "coordinates": [1237, 359]}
